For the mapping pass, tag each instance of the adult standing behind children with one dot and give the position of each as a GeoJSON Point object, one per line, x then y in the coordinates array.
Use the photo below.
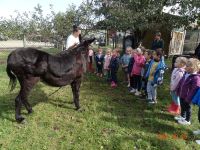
{"type": "Point", "coordinates": [74, 39]}
{"type": "Point", "coordinates": [157, 43]}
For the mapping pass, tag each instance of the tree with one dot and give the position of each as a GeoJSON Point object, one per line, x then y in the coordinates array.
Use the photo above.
{"type": "Point", "coordinates": [142, 15]}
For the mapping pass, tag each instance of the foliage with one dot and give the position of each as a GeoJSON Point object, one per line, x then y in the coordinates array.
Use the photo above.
{"type": "Point", "coordinates": [146, 14]}
{"type": "Point", "coordinates": [55, 25]}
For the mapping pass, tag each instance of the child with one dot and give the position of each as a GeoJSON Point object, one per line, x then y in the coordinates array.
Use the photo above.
{"type": "Point", "coordinates": [130, 66]}
{"type": "Point", "coordinates": [113, 66]}
{"type": "Point", "coordinates": [99, 62]}
{"type": "Point", "coordinates": [196, 101]}
{"type": "Point", "coordinates": [136, 71]}
{"type": "Point", "coordinates": [148, 57]}
{"type": "Point", "coordinates": [155, 76]}
{"type": "Point", "coordinates": [125, 61]}
{"type": "Point", "coordinates": [176, 76]}
{"type": "Point", "coordinates": [107, 59]}
{"type": "Point", "coordinates": [186, 89]}
{"type": "Point", "coordinates": [90, 59]}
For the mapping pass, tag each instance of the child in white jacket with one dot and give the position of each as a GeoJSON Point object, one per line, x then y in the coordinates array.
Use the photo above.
{"type": "Point", "coordinates": [176, 76]}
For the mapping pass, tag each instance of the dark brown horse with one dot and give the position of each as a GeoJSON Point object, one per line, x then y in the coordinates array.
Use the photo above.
{"type": "Point", "coordinates": [30, 65]}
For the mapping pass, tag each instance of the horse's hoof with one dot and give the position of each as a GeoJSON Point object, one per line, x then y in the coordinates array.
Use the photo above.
{"type": "Point", "coordinates": [80, 109]}
{"type": "Point", "coordinates": [30, 111]}
{"type": "Point", "coordinates": [20, 119]}
{"type": "Point", "coordinates": [77, 108]}
{"type": "Point", "coordinates": [71, 102]}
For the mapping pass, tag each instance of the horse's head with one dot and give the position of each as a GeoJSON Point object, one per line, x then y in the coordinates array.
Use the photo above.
{"type": "Point", "coordinates": [83, 46]}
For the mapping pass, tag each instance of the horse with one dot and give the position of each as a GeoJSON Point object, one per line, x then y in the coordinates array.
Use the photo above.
{"type": "Point", "coordinates": [30, 65]}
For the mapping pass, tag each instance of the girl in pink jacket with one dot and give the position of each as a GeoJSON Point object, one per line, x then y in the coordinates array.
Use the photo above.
{"type": "Point", "coordinates": [136, 71]}
{"type": "Point", "coordinates": [176, 76]}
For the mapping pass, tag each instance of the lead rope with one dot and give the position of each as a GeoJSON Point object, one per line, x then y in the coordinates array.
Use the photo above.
{"type": "Point", "coordinates": [55, 91]}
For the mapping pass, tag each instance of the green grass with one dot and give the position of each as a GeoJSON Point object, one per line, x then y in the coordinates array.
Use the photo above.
{"type": "Point", "coordinates": [113, 119]}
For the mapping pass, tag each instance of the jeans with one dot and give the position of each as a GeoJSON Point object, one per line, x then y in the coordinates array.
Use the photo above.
{"type": "Point", "coordinates": [151, 91]}
{"type": "Point", "coordinates": [186, 109]}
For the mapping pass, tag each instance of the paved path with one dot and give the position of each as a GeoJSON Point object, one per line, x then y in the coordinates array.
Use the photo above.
{"type": "Point", "coordinates": [11, 44]}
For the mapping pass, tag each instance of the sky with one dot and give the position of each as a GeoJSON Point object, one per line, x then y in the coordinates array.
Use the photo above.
{"type": "Point", "coordinates": [8, 7]}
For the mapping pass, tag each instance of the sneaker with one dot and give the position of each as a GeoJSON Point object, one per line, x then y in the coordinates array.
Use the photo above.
{"type": "Point", "coordinates": [184, 122]}
{"type": "Point", "coordinates": [132, 91]}
{"type": "Point", "coordinates": [113, 85]}
{"type": "Point", "coordinates": [151, 102]}
{"type": "Point", "coordinates": [128, 85]}
{"type": "Point", "coordinates": [197, 132]}
{"type": "Point", "coordinates": [137, 93]}
{"type": "Point", "coordinates": [179, 118]}
{"type": "Point", "coordinates": [155, 101]}
{"type": "Point", "coordinates": [198, 142]}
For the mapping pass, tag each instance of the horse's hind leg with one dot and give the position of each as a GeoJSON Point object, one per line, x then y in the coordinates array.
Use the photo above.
{"type": "Point", "coordinates": [18, 105]}
{"type": "Point", "coordinates": [26, 86]}
{"type": "Point", "coordinates": [75, 85]}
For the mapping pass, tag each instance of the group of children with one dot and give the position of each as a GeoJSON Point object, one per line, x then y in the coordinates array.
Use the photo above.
{"type": "Point", "coordinates": [185, 90]}
{"type": "Point", "coordinates": [143, 69]}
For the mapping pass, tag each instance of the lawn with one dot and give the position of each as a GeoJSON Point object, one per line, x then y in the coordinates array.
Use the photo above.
{"type": "Point", "coordinates": [113, 119]}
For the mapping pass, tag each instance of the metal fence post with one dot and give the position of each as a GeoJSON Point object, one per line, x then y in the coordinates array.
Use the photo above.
{"type": "Point", "coordinates": [24, 40]}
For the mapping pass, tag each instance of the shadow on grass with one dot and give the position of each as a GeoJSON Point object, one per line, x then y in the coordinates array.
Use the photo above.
{"type": "Point", "coordinates": [132, 113]}
{"type": "Point", "coordinates": [7, 106]}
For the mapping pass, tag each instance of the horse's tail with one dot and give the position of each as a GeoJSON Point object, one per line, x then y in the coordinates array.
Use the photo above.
{"type": "Point", "coordinates": [12, 77]}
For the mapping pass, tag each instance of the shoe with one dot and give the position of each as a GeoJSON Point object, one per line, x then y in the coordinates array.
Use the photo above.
{"type": "Point", "coordinates": [184, 122]}
{"type": "Point", "coordinates": [155, 101]}
{"type": "Point", "coordinates": [132, 91]}
{"type": "Point", "coordinates": [151, 102]}
{"type": "Point", "coordinates": [137, 93]}
{"type": "Point", "coordinates": [113, 84]}
{"type": "Point", "coordinates": [197, 132]}
{"type": "Point", "coordinates": [179, 118]}
{"type": "Point", "coordinates": [198, 142]}
{"type": "Point", "coordinates": [128, 85]}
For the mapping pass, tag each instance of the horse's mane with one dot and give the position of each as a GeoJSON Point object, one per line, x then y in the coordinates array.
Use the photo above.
{"type": "Point", "coordinates": [69, 51]}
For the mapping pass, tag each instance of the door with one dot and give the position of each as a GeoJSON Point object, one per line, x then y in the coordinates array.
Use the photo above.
{"type": "Point", "coordinates": [177, 42]}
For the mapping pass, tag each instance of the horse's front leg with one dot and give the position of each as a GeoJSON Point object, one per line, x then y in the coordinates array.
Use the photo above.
{"type": "Point", "coordinates": [75, 85]}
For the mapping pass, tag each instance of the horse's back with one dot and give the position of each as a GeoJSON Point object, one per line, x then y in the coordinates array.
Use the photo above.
{"type": "Point", "coordinates": [24, 55]}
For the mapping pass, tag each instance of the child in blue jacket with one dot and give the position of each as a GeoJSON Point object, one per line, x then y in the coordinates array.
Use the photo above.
{"type": "Point", "coordinates": [99, 58]}
{"type": "Point", "coordinates": [155, 75]}
{"type": "Point", "coordinates": [113, 66]}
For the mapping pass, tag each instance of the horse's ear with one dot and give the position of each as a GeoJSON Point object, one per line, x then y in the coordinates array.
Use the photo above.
{"type": "Point", "coordinates": [88, 42]}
